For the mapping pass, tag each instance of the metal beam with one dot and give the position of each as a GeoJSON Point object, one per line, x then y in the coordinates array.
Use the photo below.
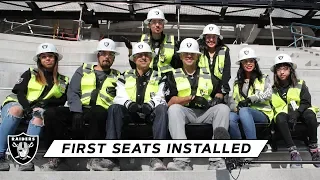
{"type": "Point", "coordinates": [310, 14]}
{"type": "Point", "coordinates": [223, 12]}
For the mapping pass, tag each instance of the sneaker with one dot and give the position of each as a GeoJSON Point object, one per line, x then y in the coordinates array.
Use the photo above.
{"type": "Point", "coordinates": [4, 164]}
{"type": "Point", "coordinates": [315, 154]}
{"type": "Point", "coordinates": [100, 164]}
{"type": "Point", "coordinates": [295, 156]}
{"type": "Point", "coordinates": [179, 166]}
{"type": "Point", "coordinates": [51, 165]}
{"type": "Point", "coordinates": [217, 165]}
{"type": "Point", "coordinates": [110, 164]}
{"type": "Point", "coordinates": [27, 167]}
{"type": "Point", "coordinates": [157, 165]}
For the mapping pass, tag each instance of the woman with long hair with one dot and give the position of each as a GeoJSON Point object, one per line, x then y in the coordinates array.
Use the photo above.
{"type": "Point", "coordinates": [215, 56]}
{"type": "Point", "coordinates": [291, 100]}
{"type": "Point", "coordinates": [37, 90]}
{"type": "Point", "coordinates": [251, 96]}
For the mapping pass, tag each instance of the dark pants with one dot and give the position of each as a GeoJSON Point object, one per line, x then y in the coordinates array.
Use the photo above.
{"type": "Point", "coordinates": [58, 121]}
{"type": "Point", "coordinates": [118, 116]}
{"type": "Point", "coordinates": [308, 117]}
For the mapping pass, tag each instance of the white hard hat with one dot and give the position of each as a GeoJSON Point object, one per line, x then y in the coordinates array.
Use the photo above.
{"type": "Point", "coordinates": [283, 58]}
{"type": "Point", "coordinates": [141, 47]}
{"type": "Point", "coordinates": [155, 14]}
{"type": "Point", "coordinates": [189, 45]}
{"type": "Point", "coordinates": [47, 48]}
{"type": "Point", "coordinates": [107, 45]}
{"type": "Point", "coordinates": [246, 53]}
{"type": "Point", "coordinates": [211, 29]}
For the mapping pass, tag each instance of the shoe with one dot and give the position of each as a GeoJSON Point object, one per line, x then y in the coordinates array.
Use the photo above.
{"type": "Point", "coordinates": [157, 165]}
{"type": "Point", "coordinates": [110, 164]}
{"type": "Point", "coordinates": [51, 165]}
{"type": "Point", "coordinates": [217, 165]}
{"type": "Point", "coordinates": [295, 156]}
{"type": "Point", "coordinates": [179, 166]}
{"type": "Point", "coordinates": [4, 164]}
{"type": "Point", "coordinates": [27, 167]}
{"type": "Point", "coordinates": [100, 164]}
{"type": "Point", "coordinates": [315, 155]}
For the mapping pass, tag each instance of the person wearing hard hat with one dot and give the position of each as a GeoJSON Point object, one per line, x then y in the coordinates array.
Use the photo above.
{"type": "Point", "coordinates": [140, 99]}
{"type": "Point", "coordinates": [291, 101]}
{"type": "Point", "coordinates": [190, 92]}
{"type": "Point", "coordinates": [250, 102]}
{"type": "Point", "coordinates": [91, 92]}
{"type": "Point", "coordinates": [216, 58]}
{"type": "Point", "coordinates": [37, 90]}
{"type": "Point", "coordinates": [163, 45]}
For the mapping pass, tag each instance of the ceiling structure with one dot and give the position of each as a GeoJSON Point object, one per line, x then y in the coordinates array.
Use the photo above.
{"type": "Point", "coordinates": [119, 16]}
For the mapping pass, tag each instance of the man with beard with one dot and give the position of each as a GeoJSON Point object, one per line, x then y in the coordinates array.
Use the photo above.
{"type": "Point", "coordinates": [91, 92]}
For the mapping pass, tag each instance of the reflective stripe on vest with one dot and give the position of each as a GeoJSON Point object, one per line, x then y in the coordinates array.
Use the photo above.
{"type": "Point", "coordinates": [35, 89]}
{"type": "Point", "coordinates": [293, 94]}
{"type": "Point", "coordinates": [166, 52]}
{"type": "Point", "coordinates": [131, 85]}
{"type": "Point", "coordinates": [219, 63]}
{"type": "Point", "coordinates": [265, 106]}
{"type": "Point", "coordinates": [205, 86]}
{"type": "Point", "coordinates": [88, 84]}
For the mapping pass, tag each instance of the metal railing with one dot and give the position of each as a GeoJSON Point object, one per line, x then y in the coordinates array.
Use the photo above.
{"type": "Point", "coordinates": [299, 36]}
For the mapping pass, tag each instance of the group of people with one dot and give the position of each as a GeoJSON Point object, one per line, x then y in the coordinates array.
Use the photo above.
{"type": "Point", "coordinates": [169, 85]}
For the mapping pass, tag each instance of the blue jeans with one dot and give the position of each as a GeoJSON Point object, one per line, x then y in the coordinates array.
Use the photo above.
{"type": "Point", "coordinates": [10, 123]}
{"type": "Point", "coordinates": [247, 116]}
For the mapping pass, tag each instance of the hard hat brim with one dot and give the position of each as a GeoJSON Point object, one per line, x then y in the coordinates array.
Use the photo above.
{"type": "Point", "coordinates": [202, 35]}
{"type": "Point", "coordinates": [182, 51]}
{"type": "Point", "coordinates": [60, 56]}
{"type": "Point", "coordinates": [147, 21]}
{"type": "Point", "coordinates": [293, 65]}
{"type": "Point", "coordinates": [131, 57]}
{"type": "Point", "coordinates": [238, 62]}
{"type": "Point", "coordinates": [116, 52]}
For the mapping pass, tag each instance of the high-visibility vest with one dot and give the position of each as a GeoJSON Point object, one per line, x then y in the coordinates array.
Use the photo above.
{"type": "Point", "coordinates": [264, 107]}
{"type": "Point", "coordinates": [166, 52]}
{"type": "Point", "coordinates": [293, 94]}
{"type": "Point", "coordinates": [88, 84]}
{"type": "Point", "coordinates": [35, 89]}
{"type": "Point", "coordinates": [219, 64]}
{"type": "Point", "coordinates": [130, 78]}
{"type": "Point", "coordinates": [205, 86]}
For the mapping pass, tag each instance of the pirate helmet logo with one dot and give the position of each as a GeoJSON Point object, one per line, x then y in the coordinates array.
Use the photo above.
{"type": "Point", "coordinates": [23, 147]}
{"type": "Point", "coordinates": [189, 45]}
{"type": "Point", "coordinates": [157, 12]}
{"type": "Point", "coordinates": [210, 28]}
{"type": "Point", "coordinates": [44, 46]}
{"type": "Point", "coordinates": [280, 57]}
{"type": "Point", "coordinates": [106, 44]}
{"type": "Point", "coordinates": [140, 46]}
{"type": "Point", "coordinates": [246, 52]}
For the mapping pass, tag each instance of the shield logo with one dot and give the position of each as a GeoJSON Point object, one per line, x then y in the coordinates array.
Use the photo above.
{"type": "Point", "coordinates": [246, 52]}
{"type": "Point", "coordinates": [106, 44]}
{"type": "Point", "coordinates": [189, 45]}
{"type": "Point", "coordinates": [140, 46]}
{"type": "Point", "coordinates": [210, 28]}
{"type": "Point", "coordinates": [23, 147]}
{"type": "Point", "coordinates": [156, 12]}
{"type": "Point", "coordinates": [44, 46]}
{"type": "Point", "coordinates": [280, 57]}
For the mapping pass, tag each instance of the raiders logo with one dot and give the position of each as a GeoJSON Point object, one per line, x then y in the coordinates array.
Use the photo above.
{"type": "Point", "coordinates": [106, 44]}
{"type": "Point", "coordinates": [280, 57]}
{"type": "Point", "coordinates": [44, 46]}
{"type": "Point", "coordinates": [189, 45]}
{"type": "Point", "coordinates": [156, 12]}
{"type": "Point", "coordinates": [210, 28]}
{"type": "Point", "coordinates": [140, 46]}
{"type": "Point", "coordinates": [246, 52]}
{"type": "Point", "coordinates": [23, 147]}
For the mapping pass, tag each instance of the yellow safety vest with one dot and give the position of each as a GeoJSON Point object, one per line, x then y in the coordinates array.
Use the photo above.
{"type": "Point", "coordinates": [35, 89]}
{"type": "Point", "coordinates": [205, 86]}
{"type": "Point", "coordinates": [166, 52]}
{"type": "Point", "coordinates": [219, 64]}
{"type": "Point", "coordinates": [293, 94]}
{"type": "Point", "coordinates": [264, 107]}
{"type": "Point", "coordinates": [130, 78]}
{"type": "Point", "coordinates": [88, 84]}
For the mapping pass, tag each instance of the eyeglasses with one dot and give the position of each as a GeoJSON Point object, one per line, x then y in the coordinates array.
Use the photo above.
{"type": "Point", "coordinates": [140, 55]}
{"type": "Point", "coordinates": [282, 68]}
{"type": "Point", "coordinates": [157, 21]}
{"type": "Point", "coordinates": [106, 53]}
